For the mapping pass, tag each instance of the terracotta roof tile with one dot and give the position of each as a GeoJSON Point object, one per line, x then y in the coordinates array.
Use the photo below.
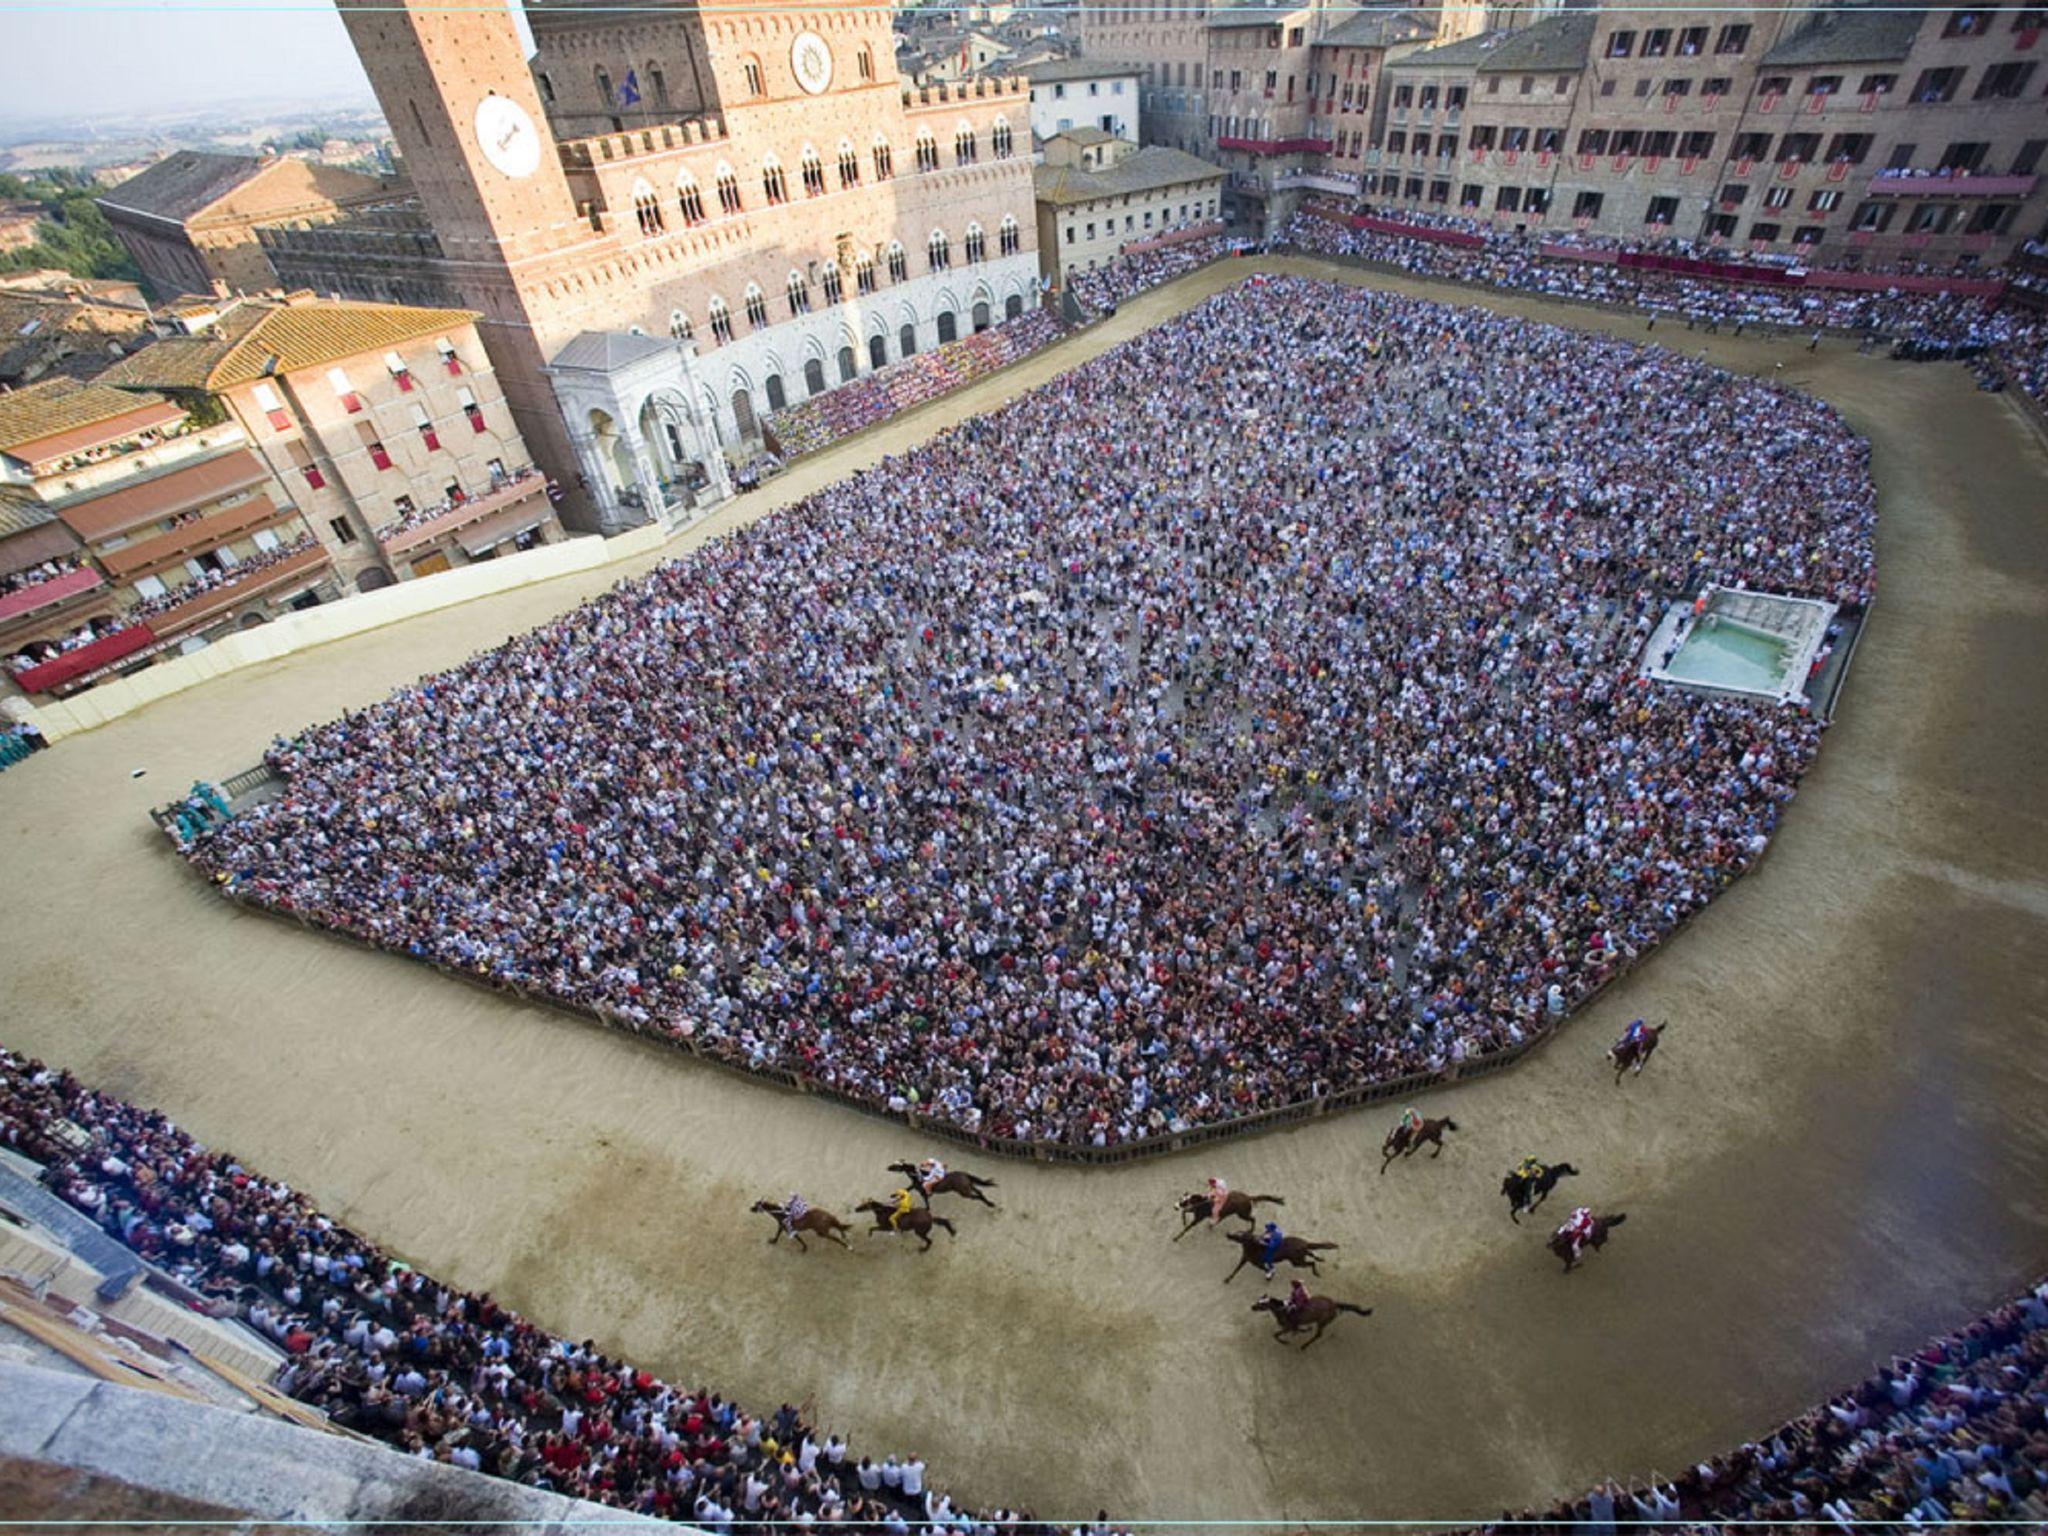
{"type": "Point", "coordinates": [295, 336]}
{"type": "Point", "coordinates": [64, 408]}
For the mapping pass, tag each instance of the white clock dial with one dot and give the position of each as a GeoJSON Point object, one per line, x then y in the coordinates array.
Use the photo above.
{"type": "Point", "coordinates": [507, 136]}
{"type": "Point", "coordinates": [810, 56]}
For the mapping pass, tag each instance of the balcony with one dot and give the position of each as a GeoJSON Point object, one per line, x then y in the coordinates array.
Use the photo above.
{"type": "Point", "coordinates": [103, 515]}
{"type": "Point", "coordinates": [1277, 146]}
{"type": "Point", "coordinates": [299, 569]}
{"type": "Point", "coordinates": [1948, 184]}
{"type": "Point", "coordinates": [145, 557]}
{"type": "Point", "coordinates": [398, 539]}
{"type": "Point", "coordinates": [45, 597]}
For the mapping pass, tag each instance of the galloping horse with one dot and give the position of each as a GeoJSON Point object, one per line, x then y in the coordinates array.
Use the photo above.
{"type": "Point", "coordinates": [1237, 1203]}
{"type": "Point", "coordinates": [1317, 1311]}
{"type": "Point", "coordinates": [1525, 1194]}
{"type": "Point", "coordinates": [1561, 1245]}
{"type": "Point", "coordinates": [1293, 1250]}
{"type": "Point", "coordinates": [1636, 1052]}
{"type": "Point", "coordinates": [817, 1222]}
{"type": "Point", "coordinates": [1401, 1142]}
{"type": "Point", "coordinates": [918, 1221]}
{"type": "Point", "coordinates": [954, 1183]}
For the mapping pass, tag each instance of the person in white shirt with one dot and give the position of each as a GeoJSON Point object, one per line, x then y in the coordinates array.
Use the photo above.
{"type": "Point", "coordinates": [870, 1476]}
{"type": "Point", "coordinates": [892, 1475]}
{"type": "Point", "coordinates": [913, 1478]}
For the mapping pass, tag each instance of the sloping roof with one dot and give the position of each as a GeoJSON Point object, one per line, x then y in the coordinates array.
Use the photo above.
{"type": "Point", "coordinates": [1058, 70]}
{"type": "Point", "coordinates": [1087, 135]}
{"type": "Point", "coordinates": [18, 516]}
{"type": "Point", "coordinates": [603, 351]}
{"type": "Point", "coordinates": [1255, 13]}
{"type": "Point", "coordinates": [37, 423]}
{"type": "Point", "coordinates": [289, 337]}
{"type": "Point", "coordinates": [1466, 53]}
{"type": "Point", "coordinates": [178, 490]}
{"type": "Point", "coordinates": [1850, 37]}
{"type": "Point", "coordinates": [1561, 42]}
{"type": "Point", "coordinates": [1376, 29]}
{"type": "Point", "coordinates": [183, 184]}
{"type": "Point", "coordinates": [1146, 171]}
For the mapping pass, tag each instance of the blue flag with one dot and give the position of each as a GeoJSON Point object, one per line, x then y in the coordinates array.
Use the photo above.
{"type": "Point", "coordinates": [629, 89]}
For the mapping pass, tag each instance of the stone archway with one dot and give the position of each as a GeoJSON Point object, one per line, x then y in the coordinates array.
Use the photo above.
{"type": "Point", "coordinates": [982, 317]}
{"type": "Point", "coordinates": [949, 328]}
{"type": "Point", "coordinates": [814, 376]}
{"type": "Point", "coordinates": [375, 579]}
{"type": "Point", "coordinates": [848, 367]}
{"type": "Point", "coordinates": [1013, 306]}
{"type": "Point", "coordinates": [878, 351]}
{"type": "Point", "coordinates": [906, 340]}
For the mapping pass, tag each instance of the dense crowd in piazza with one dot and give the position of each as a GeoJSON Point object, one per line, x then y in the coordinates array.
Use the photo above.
{"type": "Point", "coordinates": [1248, 714]}
{"type": "Point", "coordinates": [1921, 325]}
{"type": "Point", "coordinates": [1125, 277]}
{"type": "Point", "coordinates": [1956, 1432]}
{"type": "Point", "coordinates": [446, 1374]}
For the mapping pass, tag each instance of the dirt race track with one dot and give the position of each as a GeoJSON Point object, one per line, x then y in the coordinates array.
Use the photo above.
{"type": "Point", "coordinates": [1841, 1148]}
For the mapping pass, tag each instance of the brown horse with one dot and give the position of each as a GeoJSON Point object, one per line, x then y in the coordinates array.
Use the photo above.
{"type": "Point", "coordinates": [814, 1221]}
{"type": "Point", "coordinates": [1525, 1194]}
{"type": "Point", "coordinates": [1561, 1245]}
{"type": "Point", "coordinates": [1293, 1250]}
{"type": "Point", "coordinates": [1317, 1312]}
{"type": "Point", "coordinates": [954, 1183]}
{"type": "Point", "coordinates": [918, 1221]}
{"type": "Point", "coordinates": [1401, 1142]}
{"type": "Point", "coordinates": [1628, 1053]}
{"type": "Point", "coordinates": [1237, 1203]}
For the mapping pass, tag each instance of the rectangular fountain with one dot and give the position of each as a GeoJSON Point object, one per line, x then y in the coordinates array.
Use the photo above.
{"type": "Point", "coordinates": [1758, 645]}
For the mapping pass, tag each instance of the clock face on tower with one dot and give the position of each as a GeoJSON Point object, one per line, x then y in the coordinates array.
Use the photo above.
{"type": "Point", "coordinates": [810, 56]}
{"type": "Point", "coordinates": [507, 136]}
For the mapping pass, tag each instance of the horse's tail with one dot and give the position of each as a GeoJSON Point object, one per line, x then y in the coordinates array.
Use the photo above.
{"type": "Point", "coordinates": [1265, 1200]}
{"type": "Point", "coordinates": [1316, 1247]}
{"type": "Point", "coordinates": [1616, 1220]}
{"type": "Point", "coordinates": [1450, 1124]}
{"type": "Point", "coordinates": [1345, 1306]}
{"type": "Point", "coordinates": [979, 1183]}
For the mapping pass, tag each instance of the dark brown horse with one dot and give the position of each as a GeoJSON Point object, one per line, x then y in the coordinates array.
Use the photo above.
{"type": "Point", "coordinates": [954, 1183]}
{"type": "Point", "coordinates": [1237, 1203]}
{"type": "Point", "coordinates": [1635, 1053]}
{"type": "Point", "coordinates": [1402, 1142]}
{"type": "Point", "coordinates": [1525, 1193]}
{"type": "Point", "coordinates": [817, 1222]}
{"type": "Point", "coordinates": [1561, 1245]}
{"type": "Point", "coordinates": [1293, 1250]}
{"type": "Point", "coordinates": [918, 1221]}
{"type": "Point", "coordinates": [1317, 1312]}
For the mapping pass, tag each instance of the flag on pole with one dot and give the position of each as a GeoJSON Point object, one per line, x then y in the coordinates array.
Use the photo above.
{"type": "Point", "coordinates": [629, 89]}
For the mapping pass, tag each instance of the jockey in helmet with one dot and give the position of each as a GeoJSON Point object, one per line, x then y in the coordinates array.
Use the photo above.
{"type": "Point", "coordinates": [1635, 1034]}
{"type": "Point", "coordinates": [1269, 1247]}
{"type": "Point", "coordinates": [902, 1201]}
{"type": "Point", "coordinates": [1219, 1192]}
{"type": "Point", "coordinates": [793, 1210]}
{"type": "Point", "coordinates": [929, 1172]}
{"type": "Point", "coordinates": [1411, 1119]}
{"type": "Point", "coordinates": [1529, 1170]}
{"type": "Point", "coordinates": [1579, 1228]}
{"type": "Point", "coordinates": [1297, 1298]}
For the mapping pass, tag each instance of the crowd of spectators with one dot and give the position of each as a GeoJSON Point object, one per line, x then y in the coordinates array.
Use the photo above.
{"type": "Point", "coordinates": [1915, 325]}
{"type": "Point", "coordinates": [1125, 277]}
{"type": "Point", "coordinates": [36, 575]}
{"type": "Point", "coordinates": [440, 1373]}
{"type": "Point", "coordinates": [209, 580]}
{"type": "Point", "coordinates": [1955, 1432]}
{"type": "Point", "coordinates": [419, 517]}
{"type": "Point", "coordinates": [1250, 713]}
{"type": "Point", "coordinates": [875, 397]}
{"type": "Point", "coordinates": [38, 651]}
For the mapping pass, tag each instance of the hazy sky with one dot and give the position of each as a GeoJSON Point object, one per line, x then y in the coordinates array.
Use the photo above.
{"type": "Point", "coordinates": [118, 56]}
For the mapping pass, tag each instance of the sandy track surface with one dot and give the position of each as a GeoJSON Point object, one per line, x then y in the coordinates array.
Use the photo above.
{"type": "Point", "coordinates": [1840, 1148]}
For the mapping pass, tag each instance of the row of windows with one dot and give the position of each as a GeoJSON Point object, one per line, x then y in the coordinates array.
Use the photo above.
{"type": "Point", "coordinates": [1790, 149]}
{"type": "Point", "coordinates": [652, 218]}
{"type": "Point", "coordinates": [832, 281]}
{"type": "Point", "coordinates": [648, 84]}
{"type": "Point", "coordinates": [1167, 218]}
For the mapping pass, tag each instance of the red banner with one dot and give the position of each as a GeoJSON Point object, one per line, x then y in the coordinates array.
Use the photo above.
{"type": "Point", "coordinates": [59, 670]}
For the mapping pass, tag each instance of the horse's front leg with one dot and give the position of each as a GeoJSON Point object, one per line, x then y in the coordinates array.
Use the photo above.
{"type": "Point", "coordinates": [1187, 1226]}
{"type": "Point", "coordinates": [777, 1237]}
{"type": "Point", "coordinates": [1243, 1259]}
{"type": "Point", "coordinates": [925, 1237]}
{"type": "Point", "coordinates": [1437, 1148]}
{"type": "Point", "coordinates": [801, 1245]}
{"type": "Point", "coordinates": [1314, 1336]}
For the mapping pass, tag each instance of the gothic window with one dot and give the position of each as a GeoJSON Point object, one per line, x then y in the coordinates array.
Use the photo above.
{"type": "Point", "coordinates": [927, 151]}
{"type": "Point", "coordinates": [604, 85]}
{"type": "Point", "coordinates": [964, 147]}
{"type": "Point", "coordinates": [773, 183]}
{"type": "Point", "coordinates": [658, 83]}
{"type": "Point", "coordinates": [721, 320]}
{"type": "Point", "coordinates": [647, 210]}
{"type": "Point", "coordinates": [689, 200]}
{"type": "Point", "coordinates": [864, 63]}
{"type": "Point", "coordinates": [679, 325]}
{"type": "Point", "coordinates": [999, 138]}
{"type": "Point", "coordinates": [751, 68]}
{"type": "Point", "coordinates": [976, 246]}
{"type": "Point", "coordinates": [799, 294]}
{"type": "Point", "coordinates": [897, 266]}
{"type": "Point", "coordinates": [864, 273]}
{"type": "Point", "coordinates": [940, 250]}
{"type": "Point", "coordinates": [1009, 237]}
{"type": "Point", "coordinates": [757, 306]}
{"type": "Point", "coordinates": [832, 284]}
{"type": "Point", "coordinates": [813, 173]}
{"type": "Point", "coordinates": [728, 190]}
{"type": "Point", "coordinates": [885, 160]}
{"type": "Point", "coordinates": [849, 165]}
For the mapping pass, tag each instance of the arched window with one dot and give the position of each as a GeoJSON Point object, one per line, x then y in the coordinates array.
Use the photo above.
{"type": "Point", "coordinates": [773, 182]}
{"type": "Point", "coordinates": [897, 266]}
{"type": "Point", "coordinates": [547, 87]}
{"type": "Point", "coordinates": [647, 210]}
{"type": "Point", "coordinates": [721, 319]}
{"type": "Point", "coordinates": [999, 138]}
{"type": "Point", "coordinates": [689, 200]}
{"type": "Point", "coordinates": [728, 190]}
{"type": "Point", "coordinates": [832, 283]}
{"type": "Point", "coordinates": [906, 341]}
{"type": "Point", "coordinates": [604, 86]}
{"type": "Point", "coordinates": [977, 247]}
{"type": "Point", "coordinates": [964, 147]}
{"type": "Point", "coordinates": [799, 292]}
{"type": "Point", "coordinates": [813, 173]}
{"type": "Point", "coordinates": [949, 328]}
{"type": "Point", "coordinates": [814, 377]}
{"type": "Point", "coordinates": [927, 151]}
{"type": "Point", "coordinates": [885, 159]}
{"type": "Point", "coordinates": [679, 325]}
{"type": "Point", "coordinates": [776, 398]}
{"type": "Point", "coordinates": [1009, 238]}
{"type": "Point", "coordinates": [849, 165]}
{"type": "Point", "coordinates": [657, 82]}
{"type": "Point", "coordinates": [757, 306]}
{"type": "Point", "coordinates": [1013, 306]}
{"type": "Point", "coordinates": [750, 69]}
{"type": "Point", "coordinates": [848, 365]}
{"type": "Point", "coordinates": [864, 63]}
{"type": "Point", "coordinates": [940, 250]}
{"type": "Point", "coordinates": [864, 273]}
{"type": "Point", "coordinates": [878, 351]}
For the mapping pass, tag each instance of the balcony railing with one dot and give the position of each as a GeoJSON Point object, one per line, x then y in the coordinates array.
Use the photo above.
{"type": "Point", "coordinates": [215, 601]}
{"type": "Point", "coordinates": [1948, 184]}
{"type": "Point", "coordinates": [398, 540]}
